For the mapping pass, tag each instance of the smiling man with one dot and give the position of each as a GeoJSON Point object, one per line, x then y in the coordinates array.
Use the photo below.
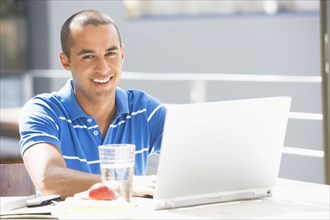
{"type": "Point", "coordinates": [61, 131]}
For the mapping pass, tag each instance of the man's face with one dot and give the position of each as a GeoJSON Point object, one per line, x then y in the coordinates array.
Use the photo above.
{"type": "Point", "coordinates": [95, 62]}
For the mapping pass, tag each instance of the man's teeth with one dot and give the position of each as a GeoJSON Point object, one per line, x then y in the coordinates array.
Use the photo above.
{"type": "Point", "coordinates": [101, 80]}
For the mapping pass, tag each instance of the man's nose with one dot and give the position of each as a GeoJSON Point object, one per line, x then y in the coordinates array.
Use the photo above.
{"type": "Point", "coordinates": [102, 65]}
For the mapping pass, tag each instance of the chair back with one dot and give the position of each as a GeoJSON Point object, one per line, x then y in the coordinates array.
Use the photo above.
{"type": "Point", "coordinates": [15, 180]}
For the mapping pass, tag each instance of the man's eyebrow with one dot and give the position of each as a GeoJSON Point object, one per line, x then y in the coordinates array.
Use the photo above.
{"type": "Point", "coordinates": [112, 48]}
{"type": "Point", "coordinates": [84, 51]}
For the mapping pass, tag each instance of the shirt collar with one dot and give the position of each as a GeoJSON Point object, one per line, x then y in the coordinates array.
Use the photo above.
{"type": "Point", "coordinates": [70, 103]}
{"type": "Point", "coordinates": [121, 102]}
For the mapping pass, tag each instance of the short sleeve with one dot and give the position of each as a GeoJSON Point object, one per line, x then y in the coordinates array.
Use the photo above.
{"type": "Point", "coordinates": [38, 124]}
{"type": "Point", "coordinates": [156, 120]}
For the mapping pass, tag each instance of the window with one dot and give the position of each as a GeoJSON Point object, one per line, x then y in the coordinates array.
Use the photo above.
{"type": "Point", "coordinates": [136, 8]}
{"type": "Point", "coordinates": [13, 35]}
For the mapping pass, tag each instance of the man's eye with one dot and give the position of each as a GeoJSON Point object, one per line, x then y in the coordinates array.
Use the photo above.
{"type": "Point", "coordinates": [111, 54]}
{"type": "Point", "coordinates": [87, 57]}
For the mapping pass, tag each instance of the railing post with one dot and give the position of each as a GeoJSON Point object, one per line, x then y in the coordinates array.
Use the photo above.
{"type": "Point", "coordinates": [198, 91]}
{"type": "Point", "coordinates": [28, 87]}
{"type": "Point", "coordinates": [325, 62]}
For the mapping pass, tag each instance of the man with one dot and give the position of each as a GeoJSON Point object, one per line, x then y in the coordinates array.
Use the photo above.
{"type": "Point", "coordinates": [60, 132]}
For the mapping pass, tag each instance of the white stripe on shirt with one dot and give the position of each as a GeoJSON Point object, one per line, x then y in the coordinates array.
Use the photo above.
{"type": "Point", "coordinates": [78, 126]}
{"type": "Point", "coordinates": [97, 161]}
{"type": "Point", "coordinates": [38, 134]}
{"type": "Point", "coordinates": [141, 151]}
{"type": "Point", "coordinates": [115, 125]}
{"type": "Point", "coordinates": [139, 111]}
{"type": "Point", "coordinates": [50, 118]}
{"type": "Point", "coordinates": [92, 127]}
{"type": "Point", "coordinates": [64, 119]}
{"type": "Point", "coordinates": [81, 160]}
{"type": "Point", "coordinates": [154, 111]}
{"type": "Point", "coordinates": [128, 117]}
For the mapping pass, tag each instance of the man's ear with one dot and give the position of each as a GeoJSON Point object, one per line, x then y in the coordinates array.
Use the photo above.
{"type": "Point", "coordinates": [122, 48]}
{"type": "Point", "coordinates": [65, 61]}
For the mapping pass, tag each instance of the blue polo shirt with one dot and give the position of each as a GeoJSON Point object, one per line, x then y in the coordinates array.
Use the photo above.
{"type": "Point", "coordinates": [57, 118]}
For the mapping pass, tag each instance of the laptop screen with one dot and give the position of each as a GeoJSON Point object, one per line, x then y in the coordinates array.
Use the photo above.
{"type": "Point", "coordinates": [221, 151]}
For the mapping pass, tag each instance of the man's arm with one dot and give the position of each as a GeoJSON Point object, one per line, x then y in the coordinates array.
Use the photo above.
{"type": "Point", "coordinates": [48, 172]}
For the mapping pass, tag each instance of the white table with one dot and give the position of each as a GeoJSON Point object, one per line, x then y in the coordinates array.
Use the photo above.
{"type": "Point", "coordinates": [291, 200]}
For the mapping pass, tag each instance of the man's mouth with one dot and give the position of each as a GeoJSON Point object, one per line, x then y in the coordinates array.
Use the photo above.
{"type": "Point", "coordinates": [102, 80]}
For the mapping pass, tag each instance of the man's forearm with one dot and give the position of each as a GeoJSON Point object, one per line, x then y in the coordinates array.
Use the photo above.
{"type": "Point", "coordinates": [66, 182]}
{"type": "Point", "coordinates": [50, 174]}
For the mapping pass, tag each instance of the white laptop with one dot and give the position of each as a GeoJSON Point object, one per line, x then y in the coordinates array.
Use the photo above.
{"type": "Point", "coordinates": [221, 151]}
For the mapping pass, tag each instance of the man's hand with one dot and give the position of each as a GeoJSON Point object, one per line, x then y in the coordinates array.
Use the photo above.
{"type": "Point", "coordinates": [144, 185]}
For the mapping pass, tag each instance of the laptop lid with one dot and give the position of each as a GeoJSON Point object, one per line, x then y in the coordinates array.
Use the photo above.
{"type": "Point", "coordinates": [221, 151]}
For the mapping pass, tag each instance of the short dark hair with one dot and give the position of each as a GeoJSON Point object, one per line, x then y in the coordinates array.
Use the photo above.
{"type": "Point", "coordinates": [83, 18]}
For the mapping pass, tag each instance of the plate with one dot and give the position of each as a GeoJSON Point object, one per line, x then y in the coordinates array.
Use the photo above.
{"type": "Point", "coordinates": [76, 208]}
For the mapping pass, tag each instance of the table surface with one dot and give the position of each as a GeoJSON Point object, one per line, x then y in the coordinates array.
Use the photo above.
{"type": "Point", "coordinates": [291, 200]}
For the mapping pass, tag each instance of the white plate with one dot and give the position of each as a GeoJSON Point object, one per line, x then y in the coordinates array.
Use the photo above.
{"type": "Point", "coordinates": [75, 208]}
